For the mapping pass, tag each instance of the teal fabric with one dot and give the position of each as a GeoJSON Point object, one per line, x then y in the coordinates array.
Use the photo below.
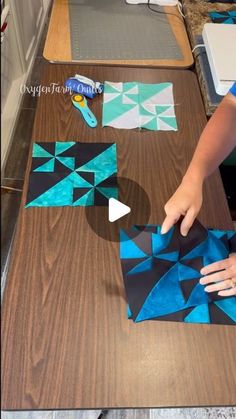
{"type": "Point", "coordinates": [72, 173]}
{"type": "Point", "coordinates": [138, 105]}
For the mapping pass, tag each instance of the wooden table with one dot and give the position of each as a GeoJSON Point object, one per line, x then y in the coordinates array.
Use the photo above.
{"type": "Point", "coordinates": [58, 42]}
{"type": "Point", "coordinates": [67, 342]}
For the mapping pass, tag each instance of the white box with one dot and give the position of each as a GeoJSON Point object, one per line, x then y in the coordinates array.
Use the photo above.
{"type": "Point", "coordinates": [220, 43]}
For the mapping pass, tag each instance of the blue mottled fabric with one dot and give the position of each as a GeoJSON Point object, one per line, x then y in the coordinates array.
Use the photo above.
{"type": "Point", "coordinates": [223, 17]}
{"type": "Point", "coordinates": [233, 89]}
{"type": "Point", "coordinates": [162, 272]}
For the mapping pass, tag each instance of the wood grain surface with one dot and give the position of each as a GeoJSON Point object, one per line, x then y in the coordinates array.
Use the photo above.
{"type": "Point", "coordinates": [66, 340]}
{"type": "Point", "coordinates": [58, 44]}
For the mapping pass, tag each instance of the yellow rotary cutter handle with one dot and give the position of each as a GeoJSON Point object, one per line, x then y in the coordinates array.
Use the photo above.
{"type": "Point", "coordinates": [80, 103]}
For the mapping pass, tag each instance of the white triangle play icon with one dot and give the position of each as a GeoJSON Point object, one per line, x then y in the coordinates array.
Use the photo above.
{"type": "Point", "coordinates": [117, 210]}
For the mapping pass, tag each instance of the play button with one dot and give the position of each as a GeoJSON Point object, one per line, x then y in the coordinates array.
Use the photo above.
{"type": "Point", "coordinates": [132, 207]}
{"type": "Point", "coordinates": [117, 210]}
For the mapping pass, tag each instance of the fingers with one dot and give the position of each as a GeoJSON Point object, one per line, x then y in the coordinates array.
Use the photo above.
{"type": "Point", "coordinates": [168, 222]}
{"type": "Point", "coordinates": [216, 277]}
{"type": "Point", "coordinates": [227, 293]}
{"type": "Point", "coordinates": [223, 285]}
{"type": "Point", "coordinates": [187, 222]}
{"type": "Point", "coordinates": [216, 266]}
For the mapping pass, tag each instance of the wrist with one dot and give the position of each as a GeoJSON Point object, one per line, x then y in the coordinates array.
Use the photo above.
{"type": "Point", "coordinates": [193, 179]}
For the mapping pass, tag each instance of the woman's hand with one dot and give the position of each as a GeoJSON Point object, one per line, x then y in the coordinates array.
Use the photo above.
{"type": "Point", "coordinates": [186, 201]}
{"type": "Point", "coordinates": [223, 273]}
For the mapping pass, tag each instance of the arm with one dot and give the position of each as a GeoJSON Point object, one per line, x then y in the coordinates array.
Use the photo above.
{"type": "Point", "coordinates": [218, 139]}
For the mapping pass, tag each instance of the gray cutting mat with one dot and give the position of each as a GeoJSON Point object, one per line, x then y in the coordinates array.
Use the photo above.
{"type": "Point", "coordinates": [114, 30]}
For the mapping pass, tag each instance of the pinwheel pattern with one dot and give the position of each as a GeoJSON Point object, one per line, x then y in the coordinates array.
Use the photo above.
{"type": "Point", "coordinates": [138, 105]}
{"type": "Point", "coordinates": [73, 174]}
{"type": "Point", "coordinates": [161, 274]}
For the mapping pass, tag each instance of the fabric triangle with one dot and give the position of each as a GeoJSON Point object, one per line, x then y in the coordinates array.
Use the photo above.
{"type": "Point", "coordinates": [150, 108]}
{"type": "Point", "coordinates": [87, 176]}
{"type": "Point", "coordinates": [108, 97]}
{"type": "Point", "coordinates": [101, 176]}
{"type": "Point", "coordinates": [128, 119]}
{"type": "Point", "coordinates": [108, 192]}
{"type": "Point", "coordinates": [87, 153]}
{"type": "Point", "coordinates": [178, 316]}
{"type": "Point", "coordinates": [40, 161]}
{"type": "Point", "coordinates": [199, 314]}
{"type": "Point", "coordinates": [146, 119]}
{"type": "Point", "coordinates": [143, 266]}
{"type": "Point", "coordinates": [46, 167]}
{"type": "Point", "coordinates": [113, 87]}
{"type": "Point", "coordinates": [128, 101]}
{"type": "Point", "coordinates": [70, 151]}
{"type": "Point", "coordinates": [164, 96]}
{"type": "Point", "coordinates": [195, 263]}
{"type": "Point", "coordinates": [128, 249]}
{"type": "Point", "coordinates": [134, 90]}
{"type": "Point", "coordinates": [172, 256]}
{"type": "Point", "coordinates": [39, 183]}
{"type": "Point", "coordinates": [48, 146]}
{"type": "Point", "coordinates": [79, 193]}
{"type": "Point", "coordinates": [138, 287]}
{"type": "Point", "coordinates": [152, 125]}
{"type": "Point", "coordinates": [143, 240]}
{"type": "Point", "coordinates": [188, 245]}
{"type": "Point", "coordinates": [100, 198]}
{"type": "Point", "coordinates": [166, 123]}
{"type": "Point", "coordinates": [69, 162]}
{"type": "Point", "coordinates": [198, 296]}
{"type": "Point", "coordinates": [105, 160]}
{"type": "Point", "coordinates": [61, 167]}
{"type": "Point", "coordinates": [165, 111]}
{"type": "Point", "coordinates": [129, 264]}
{"type": "Point", "coordinates": [228, 305]}
{"type": "Point", "coordinates": [161, 243]}
{"type": "Point", "coordinates": [160, 300]}
{"type": "Point", "coordinates": [186, 272]}
{"type": "Point", "coordinates": [86, 200]}
{"type": "Point", "coordinates": [63, 146]}
{"type": "Point", "coordinates": [219, 316]}
{"type": "Point", "coordinates": [187, 287]}
{"type": "Point", "coordinates": [58, 195]}
{"type": "Point", "coordinates": [80, 182]}
{"type": "Point", "coordinates": [39, 151]}
{"type": "Point", "coordinates": [224, 240]}
{"type": "Point", "coordinates": [110, 181]}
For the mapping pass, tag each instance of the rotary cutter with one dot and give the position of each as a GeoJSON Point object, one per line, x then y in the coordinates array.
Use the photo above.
{"type": "Point", "coordinates": [80, 103]}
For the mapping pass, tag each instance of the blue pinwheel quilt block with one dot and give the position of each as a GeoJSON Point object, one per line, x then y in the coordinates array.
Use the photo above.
{"type": "Point", "coordinates": [223, 17]}
{"type": "Point", "coordinates": [161, 274]}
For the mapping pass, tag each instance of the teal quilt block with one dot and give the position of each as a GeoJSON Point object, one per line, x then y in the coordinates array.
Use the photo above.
{"type": "Point", "coordinates": [72, 174]}
{"type": "Point", "coordinates": [138, 105]}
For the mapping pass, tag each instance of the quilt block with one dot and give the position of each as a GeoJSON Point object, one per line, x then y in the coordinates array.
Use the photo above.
{"type": "Point", "coordinates": [161, 274]}
{"type": "Point", "coordinates": [72, 173]}
{"type": "Point", "coordinates": [223, 17]}
{"type": "Point", "coordinates": [138, 105]}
